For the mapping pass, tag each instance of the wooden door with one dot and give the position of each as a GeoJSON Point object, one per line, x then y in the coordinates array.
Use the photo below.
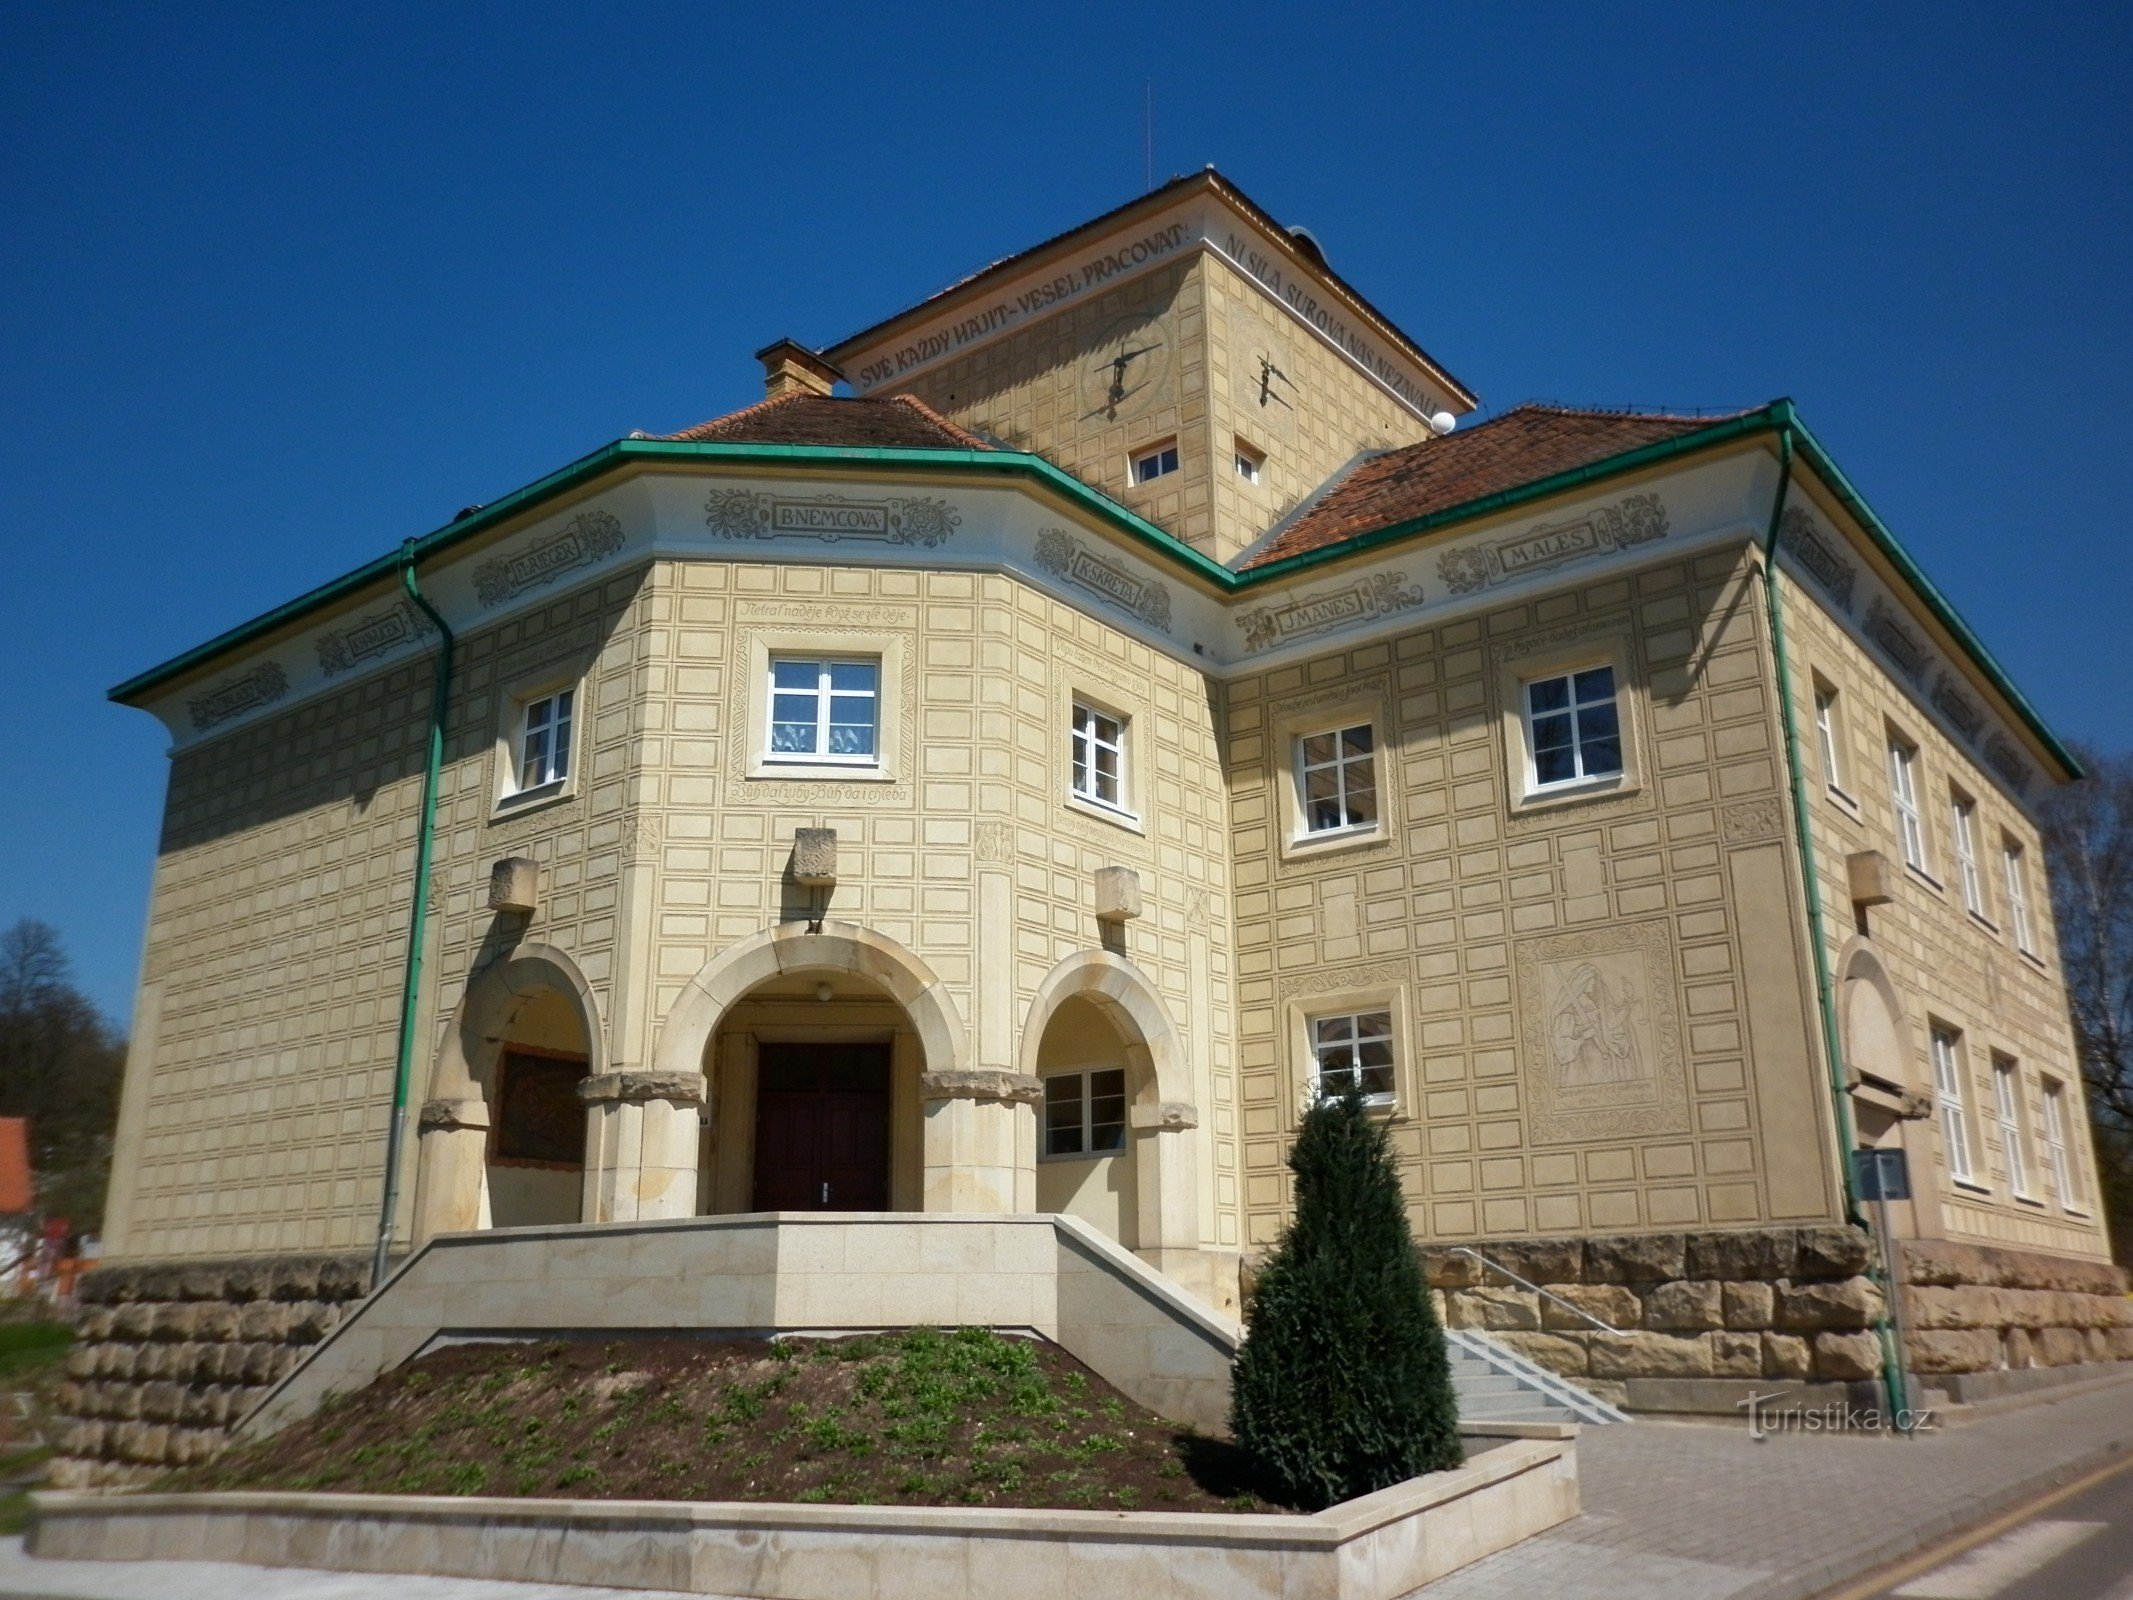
{"type": "Point", "coordinates": [822, 1127]}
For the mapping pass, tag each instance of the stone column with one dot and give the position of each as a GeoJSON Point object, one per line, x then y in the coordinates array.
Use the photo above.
{"type": "Point", "coordinates": [641, 1144]}
{"type": "Point", "coordinates": [1167, 1184]}
{"type": "Point", "coordinates": [980, 1135]}
{"type": "Point", "coordinates": [451, 1168]}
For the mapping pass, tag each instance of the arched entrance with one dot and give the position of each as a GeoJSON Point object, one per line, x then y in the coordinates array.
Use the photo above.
{"type": "Point", "coordinates": [1112, 1070]}
{"type": "Point", "coordinates": [837, 1080]}
{"type": "Point", "coordinates": [503, 1134]}
{"type": "Point", "coordinates": [1891, 1108]}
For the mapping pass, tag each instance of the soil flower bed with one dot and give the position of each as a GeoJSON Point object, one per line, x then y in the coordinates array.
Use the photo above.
{"type": "Point", "coordinates": [924, 1417]}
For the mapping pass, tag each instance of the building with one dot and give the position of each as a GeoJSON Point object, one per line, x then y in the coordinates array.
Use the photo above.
{"type": "Point", "coordinates": [1018, 782]}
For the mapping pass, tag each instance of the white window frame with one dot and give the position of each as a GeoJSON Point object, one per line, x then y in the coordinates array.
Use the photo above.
{"type": "Point", "coordinates": [2058, 1151]}
{"type": "Point", "coordinates": [1085, 743]}
{"type": "Point", "coordinates": [1903, 791]}
{"type": "Point", "coordinates": [1162, 456]}
{"type": "Point", "coordinates": [2014, 864]}
{"type": "Point", "coordinates": [1826, 723]}
{"type": "Point", "coordinates": [1580, 778]}
{"type": "Point", "coordinates": [557, 710]}
{"type": "Point", "coordinates": [825, 696]}
{"type": "Point", "coordinates": [1962, 812]}
{"type": "Point", "coordinates": [1084, 1081]}
{"type": "Point", "coordinates": [1949, 1088]}
{"type": "Point", "coordinates": [1251, 463]}
{"type": "Point", "coordinates": [1341, 765]}
{"type": "Point", "coordinates": [2007, 1103]}
{"type": "Point", "coordinates": [1364, 1026]}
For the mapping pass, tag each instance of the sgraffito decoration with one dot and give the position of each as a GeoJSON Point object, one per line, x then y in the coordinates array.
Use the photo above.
{"type": "Point", "coordinates": [1633, 520]}
{"type": "Point", "coordinates": [1382, 594]}
{"type": "Point", "coordinates": [257, 686]}
{"type": "Point", "coordinates": [1803, 540]}
{"type": "Point", "coordinates": [587, 538]}
{"type": "Point", "coordinates": [1066, 557]}
{"type": "Point", "coordinates": [1603, 1050]}
{"type": "Point", "coordinates": [831, 518]}
{"type": "Point", "coordinates": [367, 638]}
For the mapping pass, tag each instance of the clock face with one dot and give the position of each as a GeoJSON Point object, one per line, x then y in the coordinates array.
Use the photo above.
{"type": "Point", "coordinates": [1263, 385]}
{"type": "Point", "coordinates": [1127, 368]}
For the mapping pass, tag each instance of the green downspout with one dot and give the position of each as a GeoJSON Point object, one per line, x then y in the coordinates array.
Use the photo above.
{"type": "Point", "coordinates": [418, 918]}
{"type": "Point", "coordinates": [1825, 990]}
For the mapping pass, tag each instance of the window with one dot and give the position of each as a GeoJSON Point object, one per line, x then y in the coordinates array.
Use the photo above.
{"type": "Point", "coordinates": [544, 739]}
{"type": "Point", "coordinates": [2007, 1101]}
{"type": "Point", "coordinates": [1903, 788]}
{"type": "Point", "coordinates": [539, 1117]}
{"type": "Point", "coordinates": [1954, 1109]}
{"type": "Point", "coordinates": [1572, 728]}
{"type": "Point", "coordinates": [2017, 895]}
{"type": "Point", "coordinates": [1099, 757]}
{"type": "Point", "coordinates": [1826, 736]}
{"type": "Point", "coordinates": [1338, 775]}
{"type": "Point", "coordinates": [1354, 1051]}
{"type": "Point", "coordinates": [1085, 1112]}
{"type": "Point", "coordinates": [1964, 814]}
{"type": "Point", "coordinates": [2055, 1146]}
{"type": "Point", "coordinates": [824, 709]}
{"type": "Point", "coordinates": [1249, 461]}
{"type": "Point", "coordinates": [1158, 462]}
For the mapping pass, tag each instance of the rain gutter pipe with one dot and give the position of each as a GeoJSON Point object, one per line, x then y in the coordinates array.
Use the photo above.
{"type": "Point", "coordinates": [1892, 1377]}
{"type": "Point", "coordinates": [418, 917]}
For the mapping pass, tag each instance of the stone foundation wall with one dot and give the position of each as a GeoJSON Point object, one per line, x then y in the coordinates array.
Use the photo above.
{"type": "Point", "coordinates": [1704, 1317]}
{"type": "Point", "coordinates": [1789, 1304]}
{"type": "Point", "coordinates": [169, 1357]}
{"type": "Point", "coordinates": [1975, 1308]}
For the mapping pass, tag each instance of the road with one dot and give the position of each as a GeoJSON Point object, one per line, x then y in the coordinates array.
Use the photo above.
{"type": "Point", "coordinates": [2074, 1544]}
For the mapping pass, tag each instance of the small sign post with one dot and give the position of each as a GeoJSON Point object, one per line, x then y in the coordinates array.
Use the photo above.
{"type": "Point", "coordinates": [1883, 1175]}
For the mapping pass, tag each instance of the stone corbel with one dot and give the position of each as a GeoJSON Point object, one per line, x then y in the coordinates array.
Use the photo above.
{"type": "Point", "coordinates": [640, 1088]}
{"type": "Point", "coordinates": [453, 1115]}
{"type": "Point", "coordinates": [981, 1083]}
{"type": "Point", "coordinates": [1165, 1116]}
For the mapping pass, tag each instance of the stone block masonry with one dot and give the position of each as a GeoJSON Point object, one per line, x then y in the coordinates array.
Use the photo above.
{"type": "Point", "coordinates": [1703, 1317]}
{"type": "Point", "coordinates": [168, 1358]}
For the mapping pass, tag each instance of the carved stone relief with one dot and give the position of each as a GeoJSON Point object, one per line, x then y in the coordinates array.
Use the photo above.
{"type": "Point", "coordinates": [1328, 980]}
{"type": "Point", "coordinates": [1748, 820]}
{"type": "Point", "coordinates": [256, 686]}
{"type": "Point", "coordinates": [1382, 594]}
{"type": "Point", "coordinates": [586, 539]}
{"type": "Point", "coordinates": [1104, 576]}
{"type": "Point", "coordinates": [995, 843]}
{"type": "Point", "coordinates": [832, 518]}
{"type": "Point", "coordinates": [1602, 1036]}
{"type": "Point", "coordinates": [1633, 520]}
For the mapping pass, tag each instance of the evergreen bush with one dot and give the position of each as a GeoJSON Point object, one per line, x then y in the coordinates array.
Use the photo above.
{"type": "Point", "coordinates": [1343, 1386]}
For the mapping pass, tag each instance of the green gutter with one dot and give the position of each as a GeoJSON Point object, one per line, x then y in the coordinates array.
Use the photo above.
{"type": "Point", "coordinates": [418, 917]}
{"type": "Point", "coordinates": [1811, 887]}
{"type": "Point", "coordinates": [1225, 582]}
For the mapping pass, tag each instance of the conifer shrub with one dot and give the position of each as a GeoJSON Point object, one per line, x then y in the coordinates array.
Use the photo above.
{"type": "Point", "coordinates": [1342, 1386]}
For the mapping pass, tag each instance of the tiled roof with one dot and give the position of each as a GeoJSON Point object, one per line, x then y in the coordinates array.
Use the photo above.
{"type": "Point", "coordinates": [899, 422]}
{"type": "Point", "coordinates": [1524, 445]}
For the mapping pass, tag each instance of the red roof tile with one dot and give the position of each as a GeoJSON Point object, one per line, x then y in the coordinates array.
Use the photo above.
{"type": "Point", "coordinates": [900, 422]}
{"type": "Point", "coordinates": [1524, 445]}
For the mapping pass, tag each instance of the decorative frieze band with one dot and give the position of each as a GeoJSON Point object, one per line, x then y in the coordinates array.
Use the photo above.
{"type": "Point", "coordinates": [256, 686]}
{"type": "Point", "coordinates": [1066, 557]}
{"type": "Point", "coordinates": [832, 518]}
{"type": "Point", "coordinates": [1633, 520]}
{"type": "Point", "coordinates": [1382, 594]}
{"type": "Point", "coordinates": [1896, 640]}
{"type": "Point", "coordinates": [1799, 535]}
{"type": "Point", "coordinates": [367, 638]}
{"type": "Point", "coordinates": [587, 538]}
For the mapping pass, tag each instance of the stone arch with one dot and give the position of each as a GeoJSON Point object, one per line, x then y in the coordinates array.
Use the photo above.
{"type": "Point", "coordinates": [791, 949]}
{"type": "Point", "coordinates": [1872, 1012]}
{"type": "Point", "coordinates": [451, 1174]}
{"type": "Point", "coordinates": [1163, 1115]}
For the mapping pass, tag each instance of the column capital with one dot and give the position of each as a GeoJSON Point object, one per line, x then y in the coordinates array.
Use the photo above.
{"type": "Point", "coordinates": [454, 1114]}
{"type": "Point", "coordinates": [981, 1083]}
{"type": "Point", "coordinates": [639, 1088]}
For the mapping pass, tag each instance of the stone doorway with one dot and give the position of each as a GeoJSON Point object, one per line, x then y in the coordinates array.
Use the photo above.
{"type": "Point", "coordinates": [822, 1127]}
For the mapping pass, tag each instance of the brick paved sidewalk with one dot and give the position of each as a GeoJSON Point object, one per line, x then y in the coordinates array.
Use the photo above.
{"type": "Point", "coordinates": [1704, 1512]}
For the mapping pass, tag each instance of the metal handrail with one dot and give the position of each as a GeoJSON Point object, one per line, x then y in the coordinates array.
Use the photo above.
{"type": "Point", "coordinates": [1556, 1299]}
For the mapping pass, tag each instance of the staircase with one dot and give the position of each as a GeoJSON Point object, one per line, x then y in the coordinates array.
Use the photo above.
{"type": "Point", "coordinates": [1494, 1384]}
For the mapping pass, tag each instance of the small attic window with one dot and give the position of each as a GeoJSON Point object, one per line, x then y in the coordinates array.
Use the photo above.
{"type": "Point", "coordinates": [1158, 461]}
{"type": "Point", "coordinates": [1249, 462]}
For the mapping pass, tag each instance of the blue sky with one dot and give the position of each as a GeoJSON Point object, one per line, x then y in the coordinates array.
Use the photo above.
{"type": "Point", "coordinates": [280, 286]}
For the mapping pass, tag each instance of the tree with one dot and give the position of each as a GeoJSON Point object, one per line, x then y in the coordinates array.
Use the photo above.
{"type": "Point", "coordinates": [61, 1065]}
{"type": "Point", "coordinates": [1343, 1386]}
{"type": "Point", "coordinates": [2088, 843]}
